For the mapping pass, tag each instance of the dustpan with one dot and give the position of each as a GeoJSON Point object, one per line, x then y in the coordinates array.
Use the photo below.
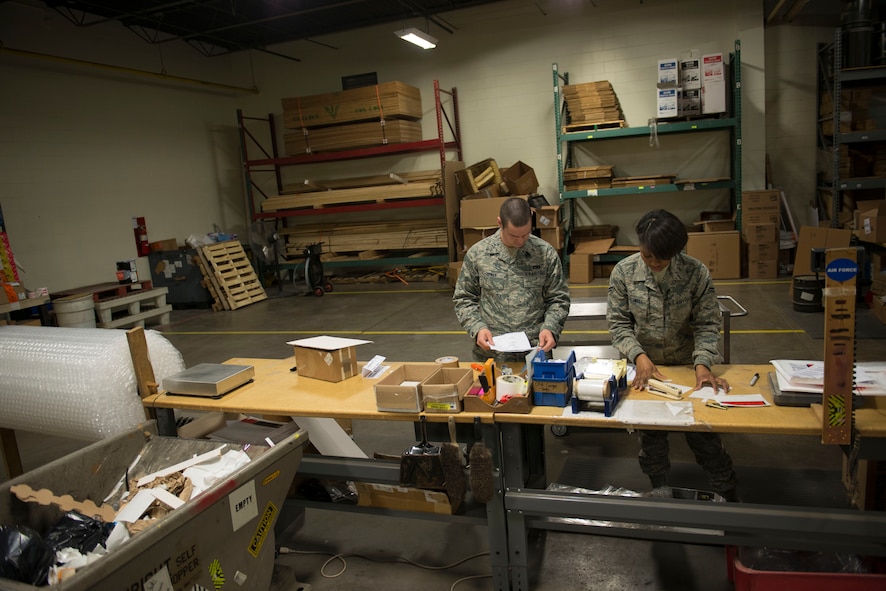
{"type": "Point", "coordinates": [421, 465]}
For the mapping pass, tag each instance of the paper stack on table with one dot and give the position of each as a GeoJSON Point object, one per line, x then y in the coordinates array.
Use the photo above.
{"type": "Point", "coordinates": [808, 376]}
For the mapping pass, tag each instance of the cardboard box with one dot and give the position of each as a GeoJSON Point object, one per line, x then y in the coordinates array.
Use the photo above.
{"type": "Point", "coordinates": [690, 70]}
{"type": "Point", "coordinates": [401, 498]}
{"type": "Point", "coordinates": [668, 103]}
{"type": "Point", "coordinates": [444, 389]}
{"type": "Point", "coordinates": [712, 68]}
{"type": "Point", "coordinates": [863, 207]}
{"type": "Point", "coordinates": [719, 251]}
{"type": "Point", "coordinates": [400, 390]}
{"type": "Point", "coordinates": [750, 219]}
{"type": "Point", "coordinates": [161, 245]}
{"type": "Point", "coordinates": [817, 237]}
{"type": "Point", "coordinates": [763, 269]}
{"type": "Point", "coordinates": [872, 222]}
{"type": "Point", "coordinates": [547, 216]}
{"type": "Point", "coordinates": [690, 102]}
{"type": "Point", "coordinates": [713, 97]}
{"type": "Point", "coordinates": [761, 201]}
{"type": "Point", "coordinates": [581, 267]}
{"type": "Point", "coordinates": [520, 179]}
{"type": "Point", "coordinates": [321, 358]}
{"type": "Point", "coordinates": [482, 212]}
{"type": "Point", "coordinates": [766, 251]}
{"type": "Point", "coordinates": [472, 236]}
{"type": "Point", "coordinates": [669, 71]}
{"type": "Point", "coordinates": [878, 308]}
{"type": "Point", "coordinates": [553, 236]}
{"type": "Point", "coordinates": [452, 271]}
{"type": "Point", "coordinates": [716, 225]}
{"type": "Point", "coordinates": [760, 234]}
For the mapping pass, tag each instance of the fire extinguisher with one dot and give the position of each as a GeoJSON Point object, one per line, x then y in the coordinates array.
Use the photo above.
{"type": "Point", "coordinates": [141, 236]}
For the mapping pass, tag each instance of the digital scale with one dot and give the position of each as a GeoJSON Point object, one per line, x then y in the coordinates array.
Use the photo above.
{"type": "Point", "coordinates": [211, 380]}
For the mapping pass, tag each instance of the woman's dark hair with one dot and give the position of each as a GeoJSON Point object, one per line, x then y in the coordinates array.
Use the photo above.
{"type": "Point", "coordinates": [515, 212]}
{"type": "Point", "coordinates": [662, 234]}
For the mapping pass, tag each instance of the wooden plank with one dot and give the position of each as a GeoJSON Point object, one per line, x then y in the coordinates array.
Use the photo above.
{"type": "Point", "coordinates": [311, 185]}
{"type": "Point", "coordinates": [389, 100]}
{"type": "Point", "coordinates": [141, 363]}
{"type": "Point", "coordinates": [615, 124]}
{"type": "Point", "coordinates": [839, 347]}
{"type": "Point", "coordinates": [351, 136]}
{"type": "Point", "coordinates": [138, 319]}
{"type": "Point", "coordinates": [357, 195]}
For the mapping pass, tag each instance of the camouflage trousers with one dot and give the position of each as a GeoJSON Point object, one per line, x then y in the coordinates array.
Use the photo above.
{"type": "Point", "coordinates": [709, 452]}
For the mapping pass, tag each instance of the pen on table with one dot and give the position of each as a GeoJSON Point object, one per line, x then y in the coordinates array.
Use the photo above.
{"type": "Point", "coordinates": [754, 378]}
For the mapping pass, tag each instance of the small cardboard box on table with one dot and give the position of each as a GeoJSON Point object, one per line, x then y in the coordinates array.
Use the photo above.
{"type": "Point", "coordinates": [401, 389]}
{"type": "Point", "coordinates": [331, 359]}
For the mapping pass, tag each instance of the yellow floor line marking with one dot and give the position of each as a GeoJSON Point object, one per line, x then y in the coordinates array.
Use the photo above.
{"type": "Point", "coordinates": [421, 332]}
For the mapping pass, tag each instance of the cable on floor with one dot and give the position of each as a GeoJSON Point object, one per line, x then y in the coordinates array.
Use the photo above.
{"type": "Point", "coordinates": [344, 564]}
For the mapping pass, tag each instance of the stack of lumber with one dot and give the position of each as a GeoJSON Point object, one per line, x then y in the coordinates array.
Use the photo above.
{"type": "Point", "coordinates": [401, 187]}
{"type": "Point", "coordinates": [352, 136]}
{"type": "Point", "coordinates": [387, 113]}
{"type": "Point", "coordinates": [367, 240]}
{"type": "Point", "coordinates": [588, 177]}
{"type": "Point", "coordinates": [591, 104]}
{"type": "Point", "coordinates": [309, 185]}
{"type": "Point", "coordinates": [644, 181]}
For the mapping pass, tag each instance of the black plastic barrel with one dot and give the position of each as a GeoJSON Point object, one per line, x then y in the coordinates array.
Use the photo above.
{"type": "Point", "coordinates": [858, 31]}
{"type": "Point", "coordinates": [807, 293]}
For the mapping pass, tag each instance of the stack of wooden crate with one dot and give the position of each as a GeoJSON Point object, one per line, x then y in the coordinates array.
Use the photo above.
{"type": "Point", "coordinates": [387, 113]}
{"type": "Point", "coordinates": [591, 104]}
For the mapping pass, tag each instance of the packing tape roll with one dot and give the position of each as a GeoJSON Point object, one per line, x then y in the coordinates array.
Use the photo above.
{"type": "Point", "coordinates": [447, 361]}
{"type": "Point", "coordinates": [591, 389]}
{"type": "Point", "coordinates": [509, 385]}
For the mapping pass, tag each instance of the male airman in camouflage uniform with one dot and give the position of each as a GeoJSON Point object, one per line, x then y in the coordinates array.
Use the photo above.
{"type": "Point", "coordinates": [512, 281]}
{"type": "Point", "coordinates": [662, 309]}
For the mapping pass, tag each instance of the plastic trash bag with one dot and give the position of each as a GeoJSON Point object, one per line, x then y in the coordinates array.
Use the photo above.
{"type": "Point", "coordinates": [78, 531]}
{"type": "Point", "coordinates": [24, 555]}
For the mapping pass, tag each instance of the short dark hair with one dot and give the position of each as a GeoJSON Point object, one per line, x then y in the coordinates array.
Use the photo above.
{"type": "Point", "coordinates": [515, 211]}
{"type": "Point", "coordinates": [662, 234]}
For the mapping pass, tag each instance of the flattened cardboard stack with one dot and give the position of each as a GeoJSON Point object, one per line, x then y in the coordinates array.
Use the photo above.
{"type": "Point", "coordinates": [386, 113]}
{"type": "Point", "coordinates": [592, 104]}
{"type": "Point", "coordinates": [586, 178]}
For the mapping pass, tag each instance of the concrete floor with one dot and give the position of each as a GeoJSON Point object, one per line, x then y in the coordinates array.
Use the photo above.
{"type": "Point", "coordinates": [415, 322]}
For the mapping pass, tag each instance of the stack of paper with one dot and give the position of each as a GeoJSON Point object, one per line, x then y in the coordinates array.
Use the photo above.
{"type": "Point", "coordinates": [808, 376]}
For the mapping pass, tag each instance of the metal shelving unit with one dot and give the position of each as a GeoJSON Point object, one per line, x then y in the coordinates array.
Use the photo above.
{"type": "Point", "coordinates": [565, 142]}
{"type": "Point", "coordinates": [833, 78]}
{"type": "Point", "coordinates": [271, 161]}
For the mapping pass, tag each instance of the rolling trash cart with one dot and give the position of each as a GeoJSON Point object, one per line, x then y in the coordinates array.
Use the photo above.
{"type": "Point", "coordinates": [221, 539]}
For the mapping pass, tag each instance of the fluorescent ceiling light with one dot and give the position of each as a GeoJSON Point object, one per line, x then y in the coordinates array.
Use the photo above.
{"type": "Point", "coordinates": [417, 37]}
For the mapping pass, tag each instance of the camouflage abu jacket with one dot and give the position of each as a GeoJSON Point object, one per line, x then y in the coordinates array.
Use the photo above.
{"type": "Point", "coordinates": [675, 323]}
{"type": "Point", "coordinates": [505, 294]}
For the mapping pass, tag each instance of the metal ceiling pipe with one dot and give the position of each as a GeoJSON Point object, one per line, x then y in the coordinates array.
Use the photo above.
{"type": "Point", "coordinates": [131, 71]}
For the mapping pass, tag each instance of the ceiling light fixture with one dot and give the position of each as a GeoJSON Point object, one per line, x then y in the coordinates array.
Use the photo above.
{"type": "Point", "coordinates": [420, 38]}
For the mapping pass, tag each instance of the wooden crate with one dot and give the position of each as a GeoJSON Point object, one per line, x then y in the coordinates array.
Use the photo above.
{"type": "Point", "coordinates": [389, 100]}
{"type": "Point", "coordinates": [477, 176]}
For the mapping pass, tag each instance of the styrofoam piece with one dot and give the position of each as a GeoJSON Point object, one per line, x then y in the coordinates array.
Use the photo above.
{"type": "Point", "coordinates": [75, 382]}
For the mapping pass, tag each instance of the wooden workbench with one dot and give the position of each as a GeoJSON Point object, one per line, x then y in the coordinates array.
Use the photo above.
{"type": "Point", "coordinates": [276, 390]}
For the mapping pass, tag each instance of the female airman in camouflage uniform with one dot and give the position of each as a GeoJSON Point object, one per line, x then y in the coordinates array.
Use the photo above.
{"type": "Point", "coordinates": [662, 309]}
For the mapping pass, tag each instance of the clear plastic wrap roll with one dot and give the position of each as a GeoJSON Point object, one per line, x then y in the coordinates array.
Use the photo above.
{"type": "Point", "coordinates": [75, 382]}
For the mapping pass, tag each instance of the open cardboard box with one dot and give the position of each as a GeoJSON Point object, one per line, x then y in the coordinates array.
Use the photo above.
{"type": "Point", "coordinates": [516, 404]}
{"type": "Point", "coordinates": [443, 390]}
{"type": "Point", "coordinates": [401, 389]}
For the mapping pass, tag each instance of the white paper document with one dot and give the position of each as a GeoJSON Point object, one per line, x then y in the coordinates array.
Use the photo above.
{"type": "Point", "coordinates": [644, 412]}
{"type": "Point", "coordinates": [327, 343]}
{"type": "Point", "coordinates": [796, 375]}
{"type": "Point", "coordinates": [512, 342]}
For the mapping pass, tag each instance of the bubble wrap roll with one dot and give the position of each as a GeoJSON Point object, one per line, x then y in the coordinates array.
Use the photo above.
{"type": "Point", "coordinates": [75, 382]}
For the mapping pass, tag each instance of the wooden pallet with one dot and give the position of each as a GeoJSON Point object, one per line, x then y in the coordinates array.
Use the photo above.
{"type": "Point", "coordinates": [237, 282]}
{"type": "Point", "coordinates": [104, 291]}
{"type": "Point", "coordinates": [136, 307]}
{"type": "Point", "coordinates": [210, 283]}
{"type": "Point", "coordinates": [594, 126]}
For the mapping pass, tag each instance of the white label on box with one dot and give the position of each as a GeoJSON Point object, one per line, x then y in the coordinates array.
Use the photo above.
{"type": "Point", "coordinates": [867, 226]}
{"type": "Point", "coordinates": [244, 505]}
{"type": "Point", "coordinates": [544, 221]}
